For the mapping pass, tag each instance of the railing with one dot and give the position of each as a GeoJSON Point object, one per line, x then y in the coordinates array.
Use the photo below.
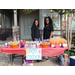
{"type": "Point", "coordinates": [6, 31]}
{"type": "Point", "coordinates": [57, 34]}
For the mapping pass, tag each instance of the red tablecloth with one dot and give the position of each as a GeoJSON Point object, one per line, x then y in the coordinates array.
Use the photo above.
{"type": "Point", "coordinates": [49, 51]}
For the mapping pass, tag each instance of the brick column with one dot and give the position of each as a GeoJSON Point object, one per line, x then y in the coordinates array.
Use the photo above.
{"type": "Point", "coordinates": [15, 33]}
{"type": "Point", "coordinates": [15, 28]}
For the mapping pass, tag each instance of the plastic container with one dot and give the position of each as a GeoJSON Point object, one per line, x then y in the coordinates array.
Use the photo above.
{"type": "Point", "coordinates": [52, 45]}
{"type": "Point", "coordinates": [38, 44]}
{"type": "Point", "coordinates": [72, 60]}
{"type": "Point", "coordinates": [14, 45]}
{"type": "Point", "coordinates": [44, 45]}
{"type": "Point", "coordinates": [65, 45]}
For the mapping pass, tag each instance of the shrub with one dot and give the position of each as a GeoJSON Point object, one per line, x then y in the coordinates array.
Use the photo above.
{"type": "Point", "coordinates": [73, 37]}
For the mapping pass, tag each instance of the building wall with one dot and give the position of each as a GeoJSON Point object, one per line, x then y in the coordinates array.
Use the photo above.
{"type": "Point", "coordinates": [36, 14]}
{"type": "Point", "coordinates": [23, 18]}
{"type": "Point", "coordinates": [8, 22]}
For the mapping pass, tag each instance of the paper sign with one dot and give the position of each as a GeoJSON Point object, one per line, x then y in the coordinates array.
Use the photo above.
{"type": "Point", "coordinates": [33, 54]}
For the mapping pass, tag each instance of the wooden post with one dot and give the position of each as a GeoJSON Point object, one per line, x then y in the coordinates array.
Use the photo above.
{"type": "Point", "coordinates": [68, 30]}
{"type": "Point", "coordinates": [66, 25]}
{"type": "Point", "coordinates": [61, 22]}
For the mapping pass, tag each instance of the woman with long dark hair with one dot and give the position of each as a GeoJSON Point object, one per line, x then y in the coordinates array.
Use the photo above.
{"type": "Point", "coordinates": [48, 30]}
{"type": "Point", "coordinates": [35, 31]}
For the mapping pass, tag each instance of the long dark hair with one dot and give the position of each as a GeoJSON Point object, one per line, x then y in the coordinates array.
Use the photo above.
{"type": "Point", "coordinates": [50, 21]}
{"type": "Point", "coordinates": [33, 25]}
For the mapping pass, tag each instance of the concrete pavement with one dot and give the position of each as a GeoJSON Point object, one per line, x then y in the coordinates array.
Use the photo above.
{"type": "Point", "coordinates": [18, 62]}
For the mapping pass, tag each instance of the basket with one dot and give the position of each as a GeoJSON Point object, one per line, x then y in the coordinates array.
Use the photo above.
{"type": "Point", "coordinates": [13, 45]}
{"type": "Point", "coordinates": [44, 45]}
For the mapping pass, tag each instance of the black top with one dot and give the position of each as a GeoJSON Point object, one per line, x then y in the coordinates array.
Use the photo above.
{"type": "Point", "coordinates": [35, 32]}
{"type": "Point", "coordinates": [47, 31]}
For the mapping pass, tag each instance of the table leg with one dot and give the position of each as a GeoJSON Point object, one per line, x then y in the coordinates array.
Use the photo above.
{"type": "Point", "coordinates": [22, 59]}
{"type": "Point", "coordinates": [12, 59]}
{"type": "Point", "coordinates": [9, 60]}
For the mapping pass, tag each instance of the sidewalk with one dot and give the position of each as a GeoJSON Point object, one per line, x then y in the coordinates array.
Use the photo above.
{"type": "Point", "coordinates": [18, 62]}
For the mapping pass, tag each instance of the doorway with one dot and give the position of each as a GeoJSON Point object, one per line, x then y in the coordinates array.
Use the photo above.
{"type": "Point", "coordinates": [25, 22]}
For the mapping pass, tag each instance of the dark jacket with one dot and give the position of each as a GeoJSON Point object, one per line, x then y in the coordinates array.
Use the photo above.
{"type": "Point", "coordinates": [35, 32]}
{"type": "Point", "coordinates": [47, 31]}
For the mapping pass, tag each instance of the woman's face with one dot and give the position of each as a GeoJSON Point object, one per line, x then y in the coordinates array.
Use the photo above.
{"type": "Point", "coordinates": [36, 23]}
{"type": "Point", "coordinates": [47, 21]}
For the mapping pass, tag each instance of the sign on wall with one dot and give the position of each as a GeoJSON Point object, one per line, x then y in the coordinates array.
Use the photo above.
{"type": "Point", "coordinates": [33, 54]}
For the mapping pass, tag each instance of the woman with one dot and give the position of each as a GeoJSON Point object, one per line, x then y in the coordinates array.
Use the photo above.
{"type": "Point", "coordinates": [48, 29]}
{"type": "Point", "coordinates": [35, 31]}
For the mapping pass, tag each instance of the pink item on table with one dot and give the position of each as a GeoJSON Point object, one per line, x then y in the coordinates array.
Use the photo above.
{"type": "Point", "coordinates": [57, 46]}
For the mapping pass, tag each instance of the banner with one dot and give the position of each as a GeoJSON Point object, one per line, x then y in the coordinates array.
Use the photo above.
{"type": "Point", "coordinates": [33, 54]}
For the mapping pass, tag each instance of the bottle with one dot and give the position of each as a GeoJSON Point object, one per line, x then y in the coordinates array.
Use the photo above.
{"type": "Point", "coordinates": [19, 44]}
{"type": "Point", "coordinates": [24, 42]}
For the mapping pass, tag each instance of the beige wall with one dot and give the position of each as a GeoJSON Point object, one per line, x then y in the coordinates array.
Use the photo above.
{"type": "Point", "coordinates": [36, 14]}
{"type": "Point", "coordinates": [22, 19]}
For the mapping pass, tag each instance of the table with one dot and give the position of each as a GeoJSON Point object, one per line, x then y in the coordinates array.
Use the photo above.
{"type": "Point", "coordinates": [49, 51]}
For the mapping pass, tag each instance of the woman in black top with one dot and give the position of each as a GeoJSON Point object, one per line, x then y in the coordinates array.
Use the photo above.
{"type": "Point", "coordinates": [48, 28]}
{"type": "Point", "coordinates": [35, 31]}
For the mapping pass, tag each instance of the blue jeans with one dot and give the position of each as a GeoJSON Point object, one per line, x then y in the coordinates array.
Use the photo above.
{"type": "Point", "coordinates": [45, 40]}
{"type": "Point", "coordinates": [37, 39]}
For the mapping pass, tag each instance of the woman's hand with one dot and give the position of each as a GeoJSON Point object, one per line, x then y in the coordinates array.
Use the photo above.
{"type": "Point", "coordinates": [51, 34]}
